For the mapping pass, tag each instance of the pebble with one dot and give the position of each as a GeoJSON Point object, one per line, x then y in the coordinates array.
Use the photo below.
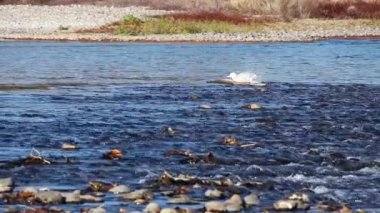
{"type": "Point", "coordinates": [152, 208]}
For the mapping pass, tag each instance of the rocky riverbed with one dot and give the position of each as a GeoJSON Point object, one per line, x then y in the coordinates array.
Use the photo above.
{"type": "Point", "coordinates": [25, 22]}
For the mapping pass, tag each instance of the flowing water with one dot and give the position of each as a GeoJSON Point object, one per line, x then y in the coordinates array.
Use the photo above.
{"type": "Point", "coordinates": [318, 131]}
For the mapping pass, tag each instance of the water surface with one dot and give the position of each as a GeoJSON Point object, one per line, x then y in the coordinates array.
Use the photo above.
{"type": "Point", "coordinates": [318, 131]}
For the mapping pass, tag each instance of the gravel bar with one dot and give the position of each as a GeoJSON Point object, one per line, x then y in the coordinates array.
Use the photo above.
{"type": "Point", "coordinates": [26, 22]}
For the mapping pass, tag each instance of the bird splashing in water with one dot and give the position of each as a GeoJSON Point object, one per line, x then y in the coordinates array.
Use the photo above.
{"type": "Point", "coordinates": [245, 78]}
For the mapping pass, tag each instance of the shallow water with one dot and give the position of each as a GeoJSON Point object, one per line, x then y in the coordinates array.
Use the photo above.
{"type": "Point", "coordinates": [322, 95]}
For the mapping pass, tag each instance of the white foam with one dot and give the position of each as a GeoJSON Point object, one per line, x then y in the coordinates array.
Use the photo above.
{"type": "Point", "coordinates": [246, 77]}
{"type": "Point", "coordinates": [320, 190]}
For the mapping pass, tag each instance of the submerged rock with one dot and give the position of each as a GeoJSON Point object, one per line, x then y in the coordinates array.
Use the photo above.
{"type": "Point", "coordinates": [6, 184]}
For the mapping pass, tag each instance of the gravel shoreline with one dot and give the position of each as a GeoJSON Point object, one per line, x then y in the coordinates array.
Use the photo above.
{"type": "Point", "coordinates": [60, 23]}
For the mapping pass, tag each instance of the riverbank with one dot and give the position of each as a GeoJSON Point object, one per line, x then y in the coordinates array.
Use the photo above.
{"type": "Point", "coordinates": [66, 23]}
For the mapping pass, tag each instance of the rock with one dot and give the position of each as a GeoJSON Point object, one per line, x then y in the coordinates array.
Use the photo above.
{"type": "Point", "coordinates": [152, 208]}
{"type": "Point", "coordinates": [234, 200]}
{"type": "Point", "coordinates": [90, 198]}
{"type": "Point", "coordinates": [285, 205]}
{"type": "Point", "coordinates": [168, 210]}
{"type": "Point", "coordinates": [113, 154]}
{"type": "Point", "coordinates": [120, 189]}
{"type": "Point", "coordinates": [6, 184]}
{"type": "Point", "coordinates": [6, 181]}
{"type": "Point", "coordinates": [140, 201]}
{"type": "Point", "coordinates": [49, 197]}
{"type": "Point", "coordinates": [168, 131]}
{"type": "Point", "coordinates": [5, 189]}
{"type": "Point", "coordinates": [233, 208]}
{"type": "Point", "coordinates": [97, 210]}
{"type": "Point", "coordinates": [213, 193]}
{"type": "Point", "coordinates": [300, 196]}
{"type": "Point", "coordinates": [72, 197]}
{"type": "Point", "coordinates": [12, 209]}
{"type": "Point", "coordinates": [138, 194]}
{"type": "Point", "coordinates": [253, 106]}
{"type": "Point", "coordinates": [205, 106]}
{"type": "Point", "coordinates": [183, 199]}
{"type": "Point", "coordinates": [251, 200]}
{"type": "Point", "coordinates": [230, 140]}
{"type": "Point", "coordinates": [215, 206]}
{"type": "Point", "coordinates": [67, 146]}
{"type": "Point", "coordinates": [30, 190]}
{"type": "Point", "coordinates": [98, 186]}
{"type": "Point", "coordinates": [345, 209]}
